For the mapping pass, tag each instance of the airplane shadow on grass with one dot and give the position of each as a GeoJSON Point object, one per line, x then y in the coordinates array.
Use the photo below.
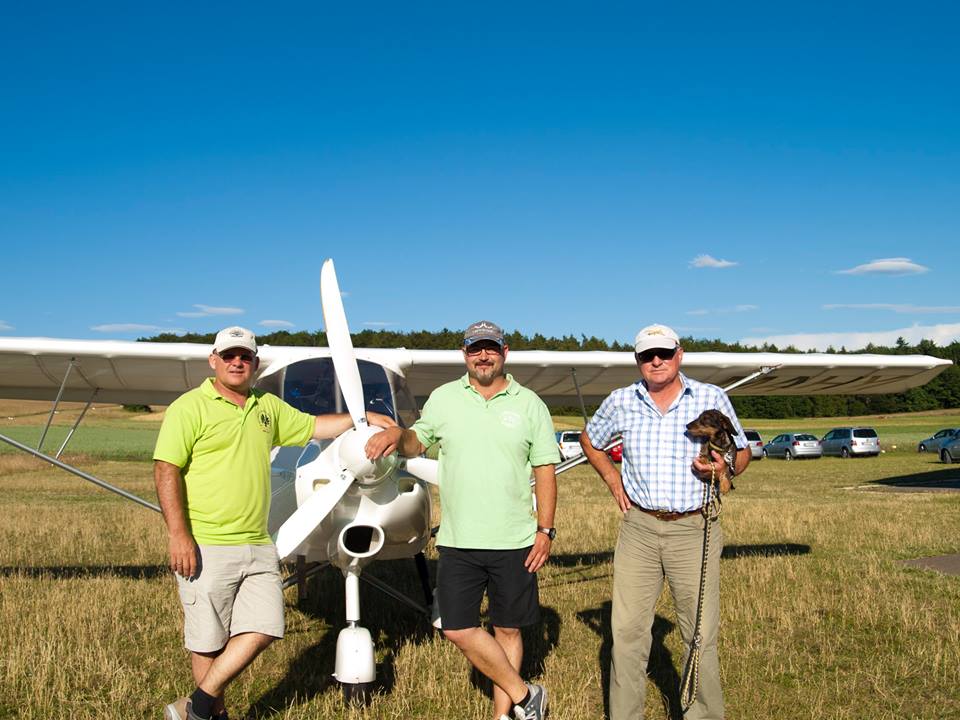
{"type": "Point", "coordinates": [391, 624]}
{"type": "Point", "coordinates": [945, 478]}
{"type": "Point", "coordinates": [70, 572]}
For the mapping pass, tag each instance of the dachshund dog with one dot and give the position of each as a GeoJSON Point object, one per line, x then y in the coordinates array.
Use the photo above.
{"type": "Point", "coordinates": [717, 432]}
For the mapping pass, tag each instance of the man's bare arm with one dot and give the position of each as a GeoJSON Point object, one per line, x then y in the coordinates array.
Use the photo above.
{"type": "Point", "coordinates": [181, 545]}
{"type": "Point", "coordinates": [329, 426]}
{"type": "Point", "coordinates": [607, 470]}
{"type": "Point", "coordinates": [545, 488]}
{"type": "Point", "coordinates": [403, 441]}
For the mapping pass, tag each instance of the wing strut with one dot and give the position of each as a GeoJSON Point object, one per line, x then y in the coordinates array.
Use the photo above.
{"type": "Point", "coordinates": [56, 402]}
{"type": "Point", "coordinates": [765, 370]}
{"type": "Point", "coordinates": [79, 473]}
{"type": "Point", "coordinates": [76, 424]}
{"type": "Point", "coordinates": [583, 408]}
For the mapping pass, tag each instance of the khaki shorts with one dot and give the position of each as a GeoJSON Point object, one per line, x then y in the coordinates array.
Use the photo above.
{"type": "Point", "coordinates": [237, 590]}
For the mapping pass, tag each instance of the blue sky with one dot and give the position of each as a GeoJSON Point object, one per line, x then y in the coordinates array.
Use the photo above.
{"type": "Point", "coordinates": [738, 171]}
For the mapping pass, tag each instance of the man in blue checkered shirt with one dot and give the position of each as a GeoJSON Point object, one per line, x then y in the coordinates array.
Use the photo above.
{"type": "Point", "coordinates": [661, 494]}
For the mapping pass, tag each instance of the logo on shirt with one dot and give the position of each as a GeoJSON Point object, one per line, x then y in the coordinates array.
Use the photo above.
{"type": "Point", "coordinates": [265, 422]}
{"type": "Point", "coordinates": [510, 419]}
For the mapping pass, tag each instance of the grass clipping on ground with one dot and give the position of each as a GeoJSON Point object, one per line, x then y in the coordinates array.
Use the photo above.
{"type": "Point", "coordinates": [819, 618]}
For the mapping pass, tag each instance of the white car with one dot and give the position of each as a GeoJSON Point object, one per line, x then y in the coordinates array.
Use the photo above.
{"type": "Point", "coordinates": [569, 442]}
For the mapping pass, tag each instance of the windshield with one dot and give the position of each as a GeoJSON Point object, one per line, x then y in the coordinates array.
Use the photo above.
{"type": "Point", "coordinates": [311, 386]}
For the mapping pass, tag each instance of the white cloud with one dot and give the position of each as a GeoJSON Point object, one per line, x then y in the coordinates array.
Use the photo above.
{"type": "Point", "coordinates": [886, 266]}
{"type": "Point", "coordinates": [277, 323]}
{"type": "Point", "coordinates": [132, 327]}
{"type": "Point", "coordinates": [919, 309]}
{"type": "Point", "coordinates": [943, 334]}
{"type": "Point", "coordinates": [380, 324]}
{"type": "Point", "coordinates": [723, 310]}
{"type": "Point", "coordinates": [208, 310]}
{"type": "Point", "coordinates": [5, 325]}
{"type": "Point", "coordinates": [708, 261]}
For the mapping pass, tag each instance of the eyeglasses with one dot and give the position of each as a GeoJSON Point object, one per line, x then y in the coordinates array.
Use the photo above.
{"type": "Point", "coordinates": [229, 356]}
{"type": "Point", "coordinates": [662, 353]}
{"type": "Point", "coordinates": [473, 350]}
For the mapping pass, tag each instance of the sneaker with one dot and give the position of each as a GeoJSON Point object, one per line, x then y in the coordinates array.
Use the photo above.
{"type": "Point", "coordinates": [536, 707]}
{"type": "Point", "coordinates": [180, 710]}
{"type": "Point", "coordinates": [504, 717]}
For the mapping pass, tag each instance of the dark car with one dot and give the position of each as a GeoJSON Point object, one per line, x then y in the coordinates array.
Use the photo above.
{"type": "Point", "coordinates": [937, 440]}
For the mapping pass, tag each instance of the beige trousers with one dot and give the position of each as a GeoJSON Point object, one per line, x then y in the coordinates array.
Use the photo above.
{"type": "Point", "coordinates": [649, 550]}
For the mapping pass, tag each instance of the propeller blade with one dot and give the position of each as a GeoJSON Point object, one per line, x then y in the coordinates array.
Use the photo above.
{"type": "Point", "coordinates": [310, 514]}
{"type": "Point", "coordinates": [341, 347]}
{"type": "Point", "coordinates": [424, 468]}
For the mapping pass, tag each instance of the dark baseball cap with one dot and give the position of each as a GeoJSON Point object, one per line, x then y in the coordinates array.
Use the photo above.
{"type": "Point", "coordinates": [483, 330]}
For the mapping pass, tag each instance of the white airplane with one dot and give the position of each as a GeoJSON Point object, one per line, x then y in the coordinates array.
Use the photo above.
{"type": "Point", "coordinates": [330, 505]}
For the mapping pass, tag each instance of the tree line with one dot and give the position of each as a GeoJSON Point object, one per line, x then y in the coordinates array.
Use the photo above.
{"type": "Point", "coordinates": [941, 392]}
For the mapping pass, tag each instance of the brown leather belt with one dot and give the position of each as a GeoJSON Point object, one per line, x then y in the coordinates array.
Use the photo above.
{"type": "Point", "coordinates": [666, 514]}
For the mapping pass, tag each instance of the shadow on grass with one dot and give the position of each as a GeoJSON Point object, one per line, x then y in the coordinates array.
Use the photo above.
{"type": "Point", "coordinates": [69, 572]}
{"type": "Point", "coordinates": [538, 642]}
{"type": "Point", "coordinates": [732, 552]}
{"type": "Point", "coordinates": [391, 625]}
{"type": "Point", "coordinates": [943, 478]}
{"type": "Point", "coordinates": [660, 667]}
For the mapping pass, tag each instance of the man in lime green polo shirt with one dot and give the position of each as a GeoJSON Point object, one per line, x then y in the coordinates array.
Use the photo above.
{"type": "Point", "coordinates": [491, 432]}
{"type": "Point", "coordinates": [212, 472]}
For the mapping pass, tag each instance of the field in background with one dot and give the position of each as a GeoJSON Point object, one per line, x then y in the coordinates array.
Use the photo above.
{"type": "Point", "coordinates": [820, 618]}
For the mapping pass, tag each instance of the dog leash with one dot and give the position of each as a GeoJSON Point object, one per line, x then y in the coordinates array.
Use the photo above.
{"type": "Point", "coordinates": [691, 671]}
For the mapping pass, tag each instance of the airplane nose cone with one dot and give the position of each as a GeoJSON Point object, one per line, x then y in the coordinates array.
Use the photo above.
{"type": "Point", "coordinates": [354, 458]}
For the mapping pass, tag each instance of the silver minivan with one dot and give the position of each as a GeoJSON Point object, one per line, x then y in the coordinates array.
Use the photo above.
{"type": "Point", "coordinates": [569, 443]}
{"type": "Point", "coordinates": [793, 445]}
{"type": "Point", "coordinates": [756, 444]}
{"type": "Point", "coordinates": [847, 441]}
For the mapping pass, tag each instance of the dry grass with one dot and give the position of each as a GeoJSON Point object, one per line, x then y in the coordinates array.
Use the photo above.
{"type": "Point", "coordinates": [820, 619]}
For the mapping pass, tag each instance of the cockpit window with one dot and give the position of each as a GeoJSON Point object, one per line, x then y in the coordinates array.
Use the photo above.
{"type": "Point", "coordinates": [311, 386]}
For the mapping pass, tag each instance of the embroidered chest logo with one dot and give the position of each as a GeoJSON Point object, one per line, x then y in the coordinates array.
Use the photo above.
{"type": "Point", "coordinates": [510, 419]}
{"type": "Point", "coordinates": [265, 422]}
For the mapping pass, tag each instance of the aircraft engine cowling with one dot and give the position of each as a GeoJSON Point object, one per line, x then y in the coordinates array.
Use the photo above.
{"type": "Point", "coordinates": [355, 545]}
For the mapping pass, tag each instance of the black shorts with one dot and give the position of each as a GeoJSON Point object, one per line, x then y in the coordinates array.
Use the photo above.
{"type": "Point", "coordinates": [463, 575]}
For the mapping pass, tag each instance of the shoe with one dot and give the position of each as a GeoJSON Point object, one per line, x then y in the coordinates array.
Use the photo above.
{"type": "Point", "coordinates": [180, 710]}
{"type": "Point", "coordinates": [536, 707]}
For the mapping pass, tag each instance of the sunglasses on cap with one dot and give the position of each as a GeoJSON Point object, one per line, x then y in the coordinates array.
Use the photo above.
{"type": "Point", "coordinates": [662, 353]}
{"type": "Point", "coordinates": [229, 355]}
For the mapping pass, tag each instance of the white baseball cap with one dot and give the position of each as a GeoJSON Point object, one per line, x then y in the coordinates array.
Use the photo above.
{"type": "Point", "coordinates": [656, 336]}
{"type": "Point", "coordinates": [235, 337]}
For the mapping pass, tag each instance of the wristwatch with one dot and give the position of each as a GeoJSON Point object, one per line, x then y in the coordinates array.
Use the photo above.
{"type": "Point", "coordinates": [549, 532]}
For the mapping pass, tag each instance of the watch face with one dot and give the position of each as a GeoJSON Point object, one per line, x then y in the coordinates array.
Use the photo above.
{"type": "Point", "coordinates": [549, 532]}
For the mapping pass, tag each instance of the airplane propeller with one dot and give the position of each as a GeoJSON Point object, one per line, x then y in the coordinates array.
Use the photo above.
{"type": "Point", "coordinates": [344, 461]}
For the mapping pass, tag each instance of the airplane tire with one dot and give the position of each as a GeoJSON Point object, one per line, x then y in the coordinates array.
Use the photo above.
{"type": "Point", "coordinates": [358, 694]}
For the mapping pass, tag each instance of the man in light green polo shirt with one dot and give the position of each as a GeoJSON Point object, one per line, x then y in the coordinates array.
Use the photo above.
{"type": "Point", "coordinates": [491, 432]}
{"type": "Point", "coordinates": [212, 471]}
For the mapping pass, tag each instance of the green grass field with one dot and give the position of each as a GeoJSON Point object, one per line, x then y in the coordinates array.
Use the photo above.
{"type": "Point", "coordinates": [820, 617]}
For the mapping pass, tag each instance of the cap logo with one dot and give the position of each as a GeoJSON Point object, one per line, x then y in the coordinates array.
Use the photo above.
{"type": "Point", "coordinates": [236, 332]}
{"type": "Point", "coordinates": [655, 331]}
{"type": "Point", "coordinates": [483, 326]}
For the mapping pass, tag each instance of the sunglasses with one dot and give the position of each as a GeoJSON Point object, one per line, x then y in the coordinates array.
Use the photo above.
{"type": "Point", "coordinates": [662, 353]}
{"type": "Point", "coordinates": [474, 350]}
{"type": "Point", "coordinates": [229, 356]}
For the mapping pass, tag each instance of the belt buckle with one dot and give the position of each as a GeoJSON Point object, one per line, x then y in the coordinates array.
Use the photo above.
{"type": "Point", "coordinates": [661, 514]}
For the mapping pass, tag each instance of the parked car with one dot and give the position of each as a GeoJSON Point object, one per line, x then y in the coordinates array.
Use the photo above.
{"type": "Point", "coordinates": [847, 441]}
{"type": "Point", "coordinates": [755, 442]}
{"type": "Point", "coordinates": [950, 451]}
{"type": "Point", "coordinates": [793, 445]}
{"type": "Point", "coordinates": [937, 440]}
{"type": "Point", "coordinates": [569, 442]}
{"type": "Point", "coordinates": [616, 453]}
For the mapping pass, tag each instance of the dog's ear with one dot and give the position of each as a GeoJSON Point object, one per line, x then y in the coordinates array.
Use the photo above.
{"type": "Point", "coordinates": [728, 425]}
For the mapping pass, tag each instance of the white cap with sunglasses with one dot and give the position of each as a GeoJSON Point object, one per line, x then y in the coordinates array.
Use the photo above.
{"type": "Point", "coordinates": [235, 337]}
{"type": "Point", "coordinates": [654, 337]}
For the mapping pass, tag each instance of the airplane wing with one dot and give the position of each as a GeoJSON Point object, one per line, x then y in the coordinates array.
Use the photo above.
{"type": "Point", "coordinates": [156, 373]}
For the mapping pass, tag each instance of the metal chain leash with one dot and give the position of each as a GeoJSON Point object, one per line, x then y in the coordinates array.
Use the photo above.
{"type": "Point", "coordinates": [691, 671]}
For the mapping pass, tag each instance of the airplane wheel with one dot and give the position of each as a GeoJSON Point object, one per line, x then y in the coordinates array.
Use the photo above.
{"type": "Point", "coordinates": [844, 453]}
{"type": "Point", "coordinates": [359, 694]}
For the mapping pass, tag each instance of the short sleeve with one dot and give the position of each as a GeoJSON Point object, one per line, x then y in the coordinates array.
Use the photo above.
{"type": "Point", "coordinates": [426, 425]}
{"type": "Point", "coordinates": [291, 426]}
{"type": "Point", "coordinates": [543, 447]}
{"type": "Point", "coordinates": [178, 434]}
{"type": "Point", "coordinates": [726, 407]}
{"type": "Point", "coordinates": [603, 425]}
